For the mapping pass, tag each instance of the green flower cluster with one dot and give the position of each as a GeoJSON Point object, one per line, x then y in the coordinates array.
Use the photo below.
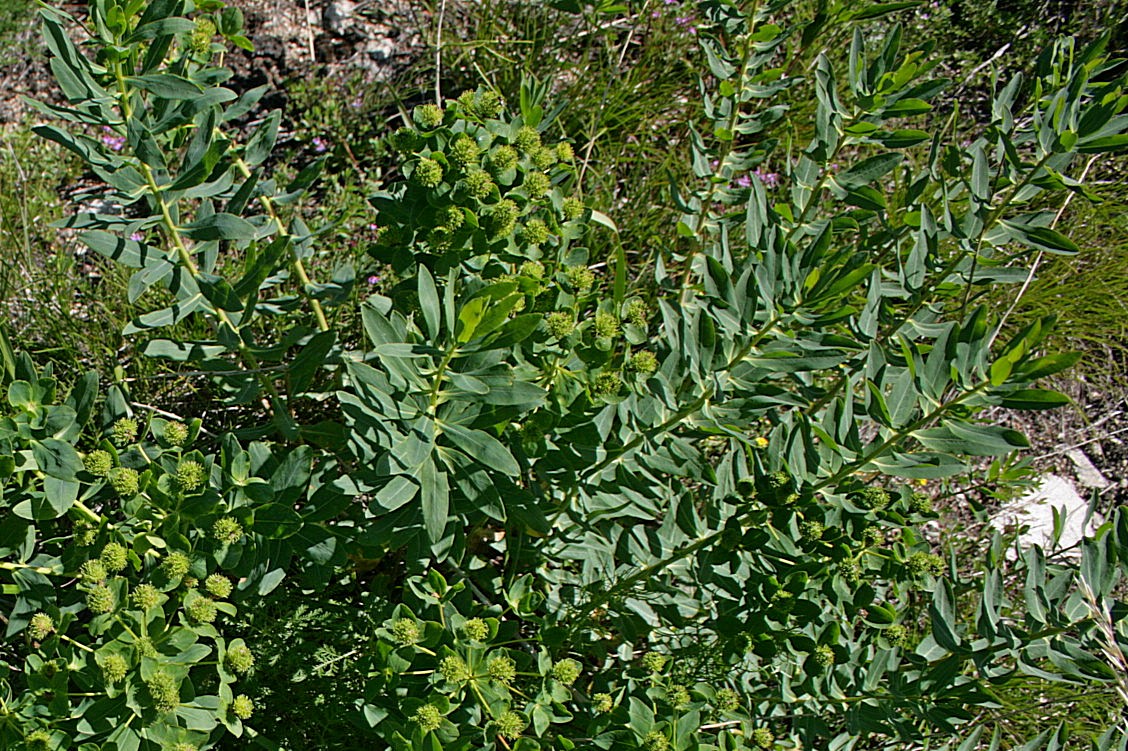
{"type": "Point", "coordinates": [476, 629]}
{"type": "Point", "coordinates": [227, 530]}
{"type": "Point", "coordinates": [502, 669]}
{"type": "Point", "coordinates": [114, 668]}
{"type": "Point", "coordinates": [98, 462]}
{"type": "Point", "coordinates": [454, 669]}
{"type": "Point", "coordinates": [146, 596]}
{"type": "Point", "coordinates": [164, 690]}
{"type": "Point", "coordinates": [242, 707]}
{"type": "Point", "coordinates": [41, 626]}
{"type": "Point", "coordinates": [405, 631]}
{"type": "Point", "coordinates": [240, 659]}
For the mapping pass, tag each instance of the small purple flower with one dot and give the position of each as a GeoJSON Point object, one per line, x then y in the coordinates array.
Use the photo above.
{"type": "Point", "coordinates": [357, 103]}
{"type": "Point", "coordinates": [111, 139]}
{"type": "Point", "coordinates": [769, 179]}
{"type": "Point", "coordinates": [744, 181]}
{"type": "Point", "coordinates": [655, 13]}
{"type": "Point", "coordinates": [373, 280]}
{"type": "Point", "coordinates": [137, 237]}
{"type": "Point", "coordinates": [670, 2]}
{"type": "Point", "coordinates": [320, 145]}
{"type": "Point", "coordinates": [373, 227]}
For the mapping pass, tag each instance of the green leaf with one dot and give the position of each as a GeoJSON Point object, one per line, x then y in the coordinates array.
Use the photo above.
{"type": "Point", "coordinates": [1102, 145]}
{"type": "Point", "coordinates": [429, 301]}
{"type": "Point", "coordinates": [220, 227]}
{"type": "Point", "coordinates": [1042, 238]}
{"type": "Point", "coordinates": [56, 458]}
{"type": "Point", "coordinates": [1035, 399]}
{"type": "Point", "coordinates": [166, 85]}
{"type": "Point", "coordinates": [882, 9]}
{"type": "Point", "coordinates": [435, 499]}
{"type": "Point", "coordinates": [482, 447]}
{"type": "Point", "coordinates": [868, 170]}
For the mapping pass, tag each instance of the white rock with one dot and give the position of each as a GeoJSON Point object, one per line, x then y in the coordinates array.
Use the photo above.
{"type": "Point", "coordinates": [1034, 514]}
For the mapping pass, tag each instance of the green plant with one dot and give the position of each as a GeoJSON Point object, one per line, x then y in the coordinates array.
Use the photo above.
{"type": "Point", "coordinates": [662, 510]}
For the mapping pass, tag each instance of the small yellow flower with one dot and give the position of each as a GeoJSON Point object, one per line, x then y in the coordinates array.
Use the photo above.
{"type": "Point", "coordinates": [761, 442]}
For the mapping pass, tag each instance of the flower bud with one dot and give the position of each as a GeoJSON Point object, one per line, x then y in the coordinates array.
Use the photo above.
{"type": "Point", "coordinates": [227, 530]}
{"type": "Point", "coordinates": [164, 690]}
{"type": "Point", "coordinates": [654, 662]}
{"type": "Point", "coordinates": [527, 139]}
{"type": "Point", "coordinates": [176, 564]}
{"type": "Point", "coordinates": [566, 671]}
{"type": "Point", "coordinates": [93, 571]}
{"type": "Point", "coordinates": [920, 564]}
{"type": "Point", "coordinates": [428, 718]}
{"type": "Point", "coordinates": [451, 218]}
{"type": "Point", "coordinates": [100, 600]}
{"type": "Point", "coordinates": [678, 696]}
{"type": "Point", "coordinates": [454, 669]}
{"type": "Point", "coordinates": [606, 325]}
{"type": "Point", "coordinates": [476, 629]}
{"type": "Point", "coordinates": [38, 740]}
{"type": "Point", "coordinates": [655, 740]}
{"type": "Point", "coordinates": [124, 481]}
{"type": "Point", "coordinates": [536, 184]}
{"type": "Point", "coordinates": [240, 659]}
{"type": "Point", "coordinates": [190, 475]}
{"type": "Point", "coordinates": [559, 324]}
{"type": "Point", "coordinates": [124, 431]}
{"type": "Point", "coordinates": [479, 184]}
{"type": "Point", "coordinates": [146, 596]}
{"type": "Point", "coordinates": [580, 278]}
{"type": "Point", "coordinates": [199, 40]}
{"type": "Point", "coordinates": [201, 610]}
{"type": "Point", "coordinates": [114, 668]}
{"type": "Point", "coordinates": [503, 158]}
{"type": "Point", "coordinates": [823, 656]}
{"type": "Point", "coordinates": [428, 116]}
{"type": "Point", "coordinates": [464, 151]}
{"type": "Point", "coordinates": [606, 384]}
{"type": "Point", "coordinates": [644, 362]}
{"type": "Point", "coordinates": [218, 585]}
{"type": "Point", "coordinates": [176, 433]}
{"type": "Point", "coordinates": [572, 209]}
{"type": "Point", "coordinates": [811, 530]}
{"type": "Point", "coordinates": [242, 707]}
{"type": "Point", "coordinates": [919, 503]}
{"type": "Point", "coordinates": [897, 635]}
{"type": "Point", "coordinates": [544, 157]}
{"type": "Point", "coordinates": [602, 703]}
{"type": "Point", "coordinates": [114, 557]}
{"type": "Point", "coordinates": [535, 232]}
{"type": "Point", "coordinates": [41, 626]}
{"type": "Point", "coordinates": [727, 700]}
{"type": "Point", "coordinates": [405, 632]}
{"type": "Point", "coordinates": [510, 725]}
{"type": "Point", "coordinates": [502, 669]}
{"type": "Point", "coordinates": [564, 152]}
{"type": "Point", "coordinates": [428, 173]}
{"type": "Point", "coordinates": [638, 313]}
{"type": "Point", "coordinates": [763, 738]}
{"type": "Point", "coordinates": [871, 498]}
{"type": "Point", "coordinates": [98, 462]}
{"type": "Point", "coordinates": [850, 571]}
{"type": "Point", "coordinates": [501, 219]}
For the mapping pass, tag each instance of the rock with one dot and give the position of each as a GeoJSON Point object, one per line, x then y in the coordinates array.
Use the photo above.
{"type": "Point", "coordinates": [1087, 473]}
{"type": "Point", "coordinates": [339, 16]}
{"type": "Point", "coordinates": [1034, 515]}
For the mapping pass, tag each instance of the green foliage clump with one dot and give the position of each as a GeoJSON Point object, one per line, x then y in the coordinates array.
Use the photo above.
{"type": "Point", "coordinates": [483, 449]}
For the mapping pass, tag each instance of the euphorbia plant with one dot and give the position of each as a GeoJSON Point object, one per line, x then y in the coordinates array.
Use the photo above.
{"type": "Point", "coordinates": [678, 509]}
